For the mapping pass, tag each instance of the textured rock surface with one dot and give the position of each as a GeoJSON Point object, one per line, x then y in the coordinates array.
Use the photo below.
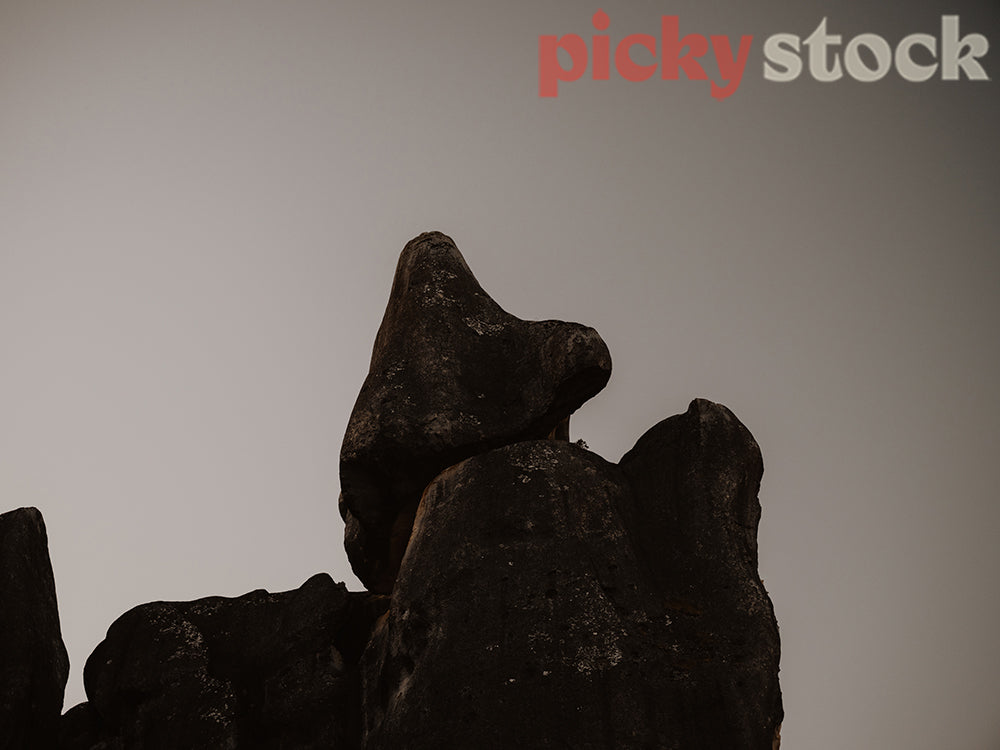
{"type": "Point", "coordinates": [452, 375]}
{"type": "Point", "coordinates": [259, 671]}
{"type": "Point", "coordinates": [551, 599]}
{"type": "Point", "coordinates": [33, 661]}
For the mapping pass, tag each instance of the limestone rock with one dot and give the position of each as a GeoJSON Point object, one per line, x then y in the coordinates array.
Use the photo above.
{"type": "Point", "coordinates": [551, 599]}
{"type": "Point", "coordinates": [258, 671]}
{"type": "Point", "coordinates": [452, 375]}
{"type": "Point", "coordinates": [34, 665]}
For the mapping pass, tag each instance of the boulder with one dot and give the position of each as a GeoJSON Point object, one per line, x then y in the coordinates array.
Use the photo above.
{"type": "Point", "coordinates": [34, 665]}
{"type": "Point", "coordinates": [259, 671]}
{"type": "Point", "coordinates": [452, 375]}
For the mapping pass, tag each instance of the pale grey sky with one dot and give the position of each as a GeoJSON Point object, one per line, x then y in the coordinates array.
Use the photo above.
{"type": "Point", "coordinates": [201, 207]}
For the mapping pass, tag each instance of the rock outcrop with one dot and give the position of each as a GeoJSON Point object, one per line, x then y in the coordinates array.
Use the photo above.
{"type": "Point", "coordinates": [542, 597]}
{"type": "Point", "coordinates": [576, 603]}
{"type": "Point", "coordinates": [523, 591]}
{"type": "Point", "coordinates": [452, 375]}
{"type": "Point", "coordinates": [34, 665]}
{"type": "Point", "coordinates": [259, 671]}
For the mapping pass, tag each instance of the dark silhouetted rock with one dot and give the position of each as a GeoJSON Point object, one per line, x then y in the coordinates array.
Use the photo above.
{"type": "Point", "coordinates": [695, 479]}
{"type": "Point", "coordinates": [541, 597]}
{"type": "Point", "coordinates": [551, 599]}
{"type": "Point", "coordinates": [33, 661]}
{"type": "Point", "coordinates": [80, 729]}
{"type": "Point", "coordinates": [452, 375]}
{"type": "Point", "coordinates": [259, 671]}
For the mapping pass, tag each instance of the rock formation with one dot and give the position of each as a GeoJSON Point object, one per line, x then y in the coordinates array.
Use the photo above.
{"type": "Point", "coordinates": [576, 603]}
{"type": "Point", "coordinates": [523, 591]}
{"type": "Point", "coordinates": [259, 671]}
{"type": "Point", "coordinates": [33, 661]}
{"type": "Point", "coordinates": [452, 375]}
{"type": "Point", "coordinates": [544, 597]}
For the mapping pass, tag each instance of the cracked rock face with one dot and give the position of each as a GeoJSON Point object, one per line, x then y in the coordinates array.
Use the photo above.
{"type": "Point", "coordinates": [34, 665]}
{"type": "Point", "coordinates": [549, 598]}
{"type": "Point", "coordinates": [452, 375]}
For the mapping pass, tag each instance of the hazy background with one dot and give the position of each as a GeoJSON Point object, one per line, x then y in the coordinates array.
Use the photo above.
{"type": "Point", "coordinates": [202, 204]}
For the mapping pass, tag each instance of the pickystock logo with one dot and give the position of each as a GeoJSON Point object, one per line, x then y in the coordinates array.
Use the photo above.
{"type": "Point", "coordinates": [866, 57]}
